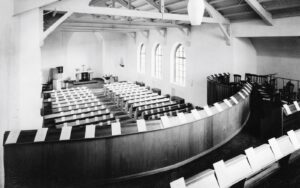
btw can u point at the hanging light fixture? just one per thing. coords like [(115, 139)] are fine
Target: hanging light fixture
[(196, 11)]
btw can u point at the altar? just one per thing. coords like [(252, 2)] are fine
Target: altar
[(84, 76)]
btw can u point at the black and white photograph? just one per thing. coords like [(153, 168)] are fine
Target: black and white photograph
[(149, 93)]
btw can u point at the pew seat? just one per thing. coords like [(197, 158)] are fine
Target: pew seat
[(204, 179)]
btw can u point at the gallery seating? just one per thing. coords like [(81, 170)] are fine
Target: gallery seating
[(253, 165)]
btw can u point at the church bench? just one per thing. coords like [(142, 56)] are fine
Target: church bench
[(124, 88), (80, 102), (127, 91), (123, 102), (66, 90), (132, 103), (146, 114), (88, 121), (75, 96), (82, 106), (89, 101), (64, 94), (70, 100), (169, 113), (72, 112), (146, 103), (141, 109), (121, 99), (81, 116), (134, 93), (142, 95), (120, 96), (117, 94)]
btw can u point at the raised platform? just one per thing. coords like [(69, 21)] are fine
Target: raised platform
[(86, 82)]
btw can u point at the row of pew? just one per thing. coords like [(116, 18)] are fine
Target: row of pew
[(141, 102), (77, 107), (113, 128), (241, 168)]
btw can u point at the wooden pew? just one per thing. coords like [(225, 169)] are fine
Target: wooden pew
[(169, 113), (87, 121), (81, 116), (146, 114), (141, 109)]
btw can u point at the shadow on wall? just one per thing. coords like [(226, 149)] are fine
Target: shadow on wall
[(279, 47)]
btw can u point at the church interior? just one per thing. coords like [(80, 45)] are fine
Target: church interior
[(149, 93)]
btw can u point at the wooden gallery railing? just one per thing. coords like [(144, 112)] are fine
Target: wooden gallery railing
[(91, 156), (219, 87)]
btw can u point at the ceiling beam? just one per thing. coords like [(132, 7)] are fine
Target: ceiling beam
[(101, 28), (277, 5), (162, 6), (46, 33), (221, 19), (216, 1), (126, 23), (264, 14), (98, 3), (215, 14), (71, 6), (239, 14), (96, 30), (125, 4), (112, 26), (155, 5), (233, 6)]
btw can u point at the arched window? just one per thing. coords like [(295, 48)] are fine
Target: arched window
[(142, 58), (157, 61), (179, 65)]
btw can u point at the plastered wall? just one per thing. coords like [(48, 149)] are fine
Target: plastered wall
[(72, 50), (206, 51)]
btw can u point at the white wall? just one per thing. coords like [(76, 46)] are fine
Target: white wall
[(278, 55), (245, 56), (20, 72), (72, 50), (207, 53), (7, 51)]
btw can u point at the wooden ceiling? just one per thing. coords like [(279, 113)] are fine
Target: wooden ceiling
[(142, 15), (232, 9)]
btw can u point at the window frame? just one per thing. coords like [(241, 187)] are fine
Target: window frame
[(157, 61), (179, 61), (141, 60)]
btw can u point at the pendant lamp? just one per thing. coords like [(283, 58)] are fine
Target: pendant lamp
[(196, 11)]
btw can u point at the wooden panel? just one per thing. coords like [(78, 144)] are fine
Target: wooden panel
[(91, 162)]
